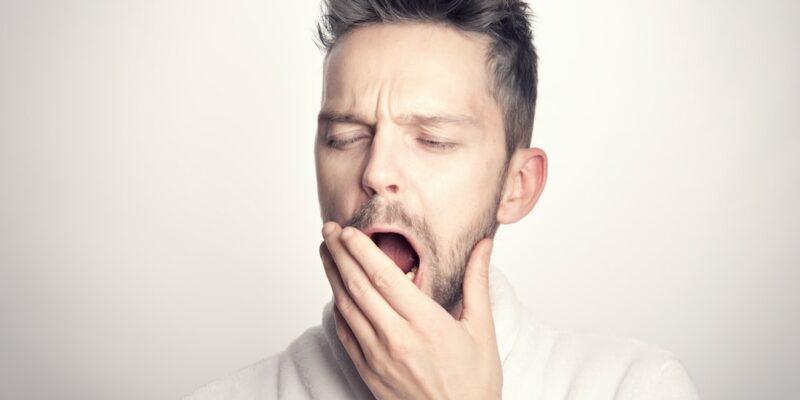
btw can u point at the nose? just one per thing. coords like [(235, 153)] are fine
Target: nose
[(383, 173)]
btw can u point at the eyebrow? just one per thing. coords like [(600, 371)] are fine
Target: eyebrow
[(411, 119), (332, 116), (436, 119)]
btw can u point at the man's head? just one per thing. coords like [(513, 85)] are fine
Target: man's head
[(424, 128), (504, 25)]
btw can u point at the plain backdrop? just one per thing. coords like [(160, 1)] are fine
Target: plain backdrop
[(159, 222)]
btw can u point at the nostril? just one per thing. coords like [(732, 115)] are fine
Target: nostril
[(393, 188)]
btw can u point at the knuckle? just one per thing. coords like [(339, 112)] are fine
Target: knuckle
[(356, 287), (377, 365), (397, 350), (346, 306), (383, 279)]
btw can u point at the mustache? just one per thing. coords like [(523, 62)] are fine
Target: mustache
[(379, 211)]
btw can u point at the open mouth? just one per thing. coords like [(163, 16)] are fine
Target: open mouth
[(400, 250)]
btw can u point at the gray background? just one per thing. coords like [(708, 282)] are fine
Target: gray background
[(159, 222)]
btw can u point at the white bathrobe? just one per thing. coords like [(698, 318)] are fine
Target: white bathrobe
[(538, 363)]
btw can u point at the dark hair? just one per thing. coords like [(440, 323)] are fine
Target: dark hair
[(512, 57)]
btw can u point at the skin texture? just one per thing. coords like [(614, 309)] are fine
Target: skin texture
[(407, 119)]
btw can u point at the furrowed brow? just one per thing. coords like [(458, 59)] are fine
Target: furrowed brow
[(436, 119), (410, 119)]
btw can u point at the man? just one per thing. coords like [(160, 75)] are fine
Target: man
[(422, 150)]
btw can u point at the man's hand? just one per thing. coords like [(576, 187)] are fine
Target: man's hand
[(404, 344)]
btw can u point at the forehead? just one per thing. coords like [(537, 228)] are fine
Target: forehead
[(408, 68)]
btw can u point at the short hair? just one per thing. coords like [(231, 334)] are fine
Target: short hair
[(511, 57)]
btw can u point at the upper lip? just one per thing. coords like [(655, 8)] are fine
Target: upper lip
[(369, 231)]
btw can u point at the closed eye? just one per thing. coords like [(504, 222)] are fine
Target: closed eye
[(344, 143), (436, 144)]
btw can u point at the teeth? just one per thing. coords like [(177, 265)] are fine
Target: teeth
[(411, 274)]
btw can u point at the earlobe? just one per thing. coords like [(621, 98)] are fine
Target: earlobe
[(525, 179)]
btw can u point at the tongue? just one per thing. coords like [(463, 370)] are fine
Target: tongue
[(398, 249)]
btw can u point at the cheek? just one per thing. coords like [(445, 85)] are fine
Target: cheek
[(338, 186), (457, 200), (468, 186), (327, 177)]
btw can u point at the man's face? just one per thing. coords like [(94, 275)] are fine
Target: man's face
[(410, 141)]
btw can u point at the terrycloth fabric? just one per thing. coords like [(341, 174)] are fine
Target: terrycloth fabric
[(538, 363)]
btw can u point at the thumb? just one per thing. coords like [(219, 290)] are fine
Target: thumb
[(477, 308)]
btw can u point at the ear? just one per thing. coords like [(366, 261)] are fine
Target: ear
[(525, 179)]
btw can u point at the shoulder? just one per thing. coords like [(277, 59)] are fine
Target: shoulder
[(246, 383), (264, 379), (587, 364)]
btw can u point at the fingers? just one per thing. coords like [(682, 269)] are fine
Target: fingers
[(350, 310), (477, 303), (396, 289), (349, 341), (358, 354), (358, 286)]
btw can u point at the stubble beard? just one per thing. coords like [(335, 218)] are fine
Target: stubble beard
[(445, 271)]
